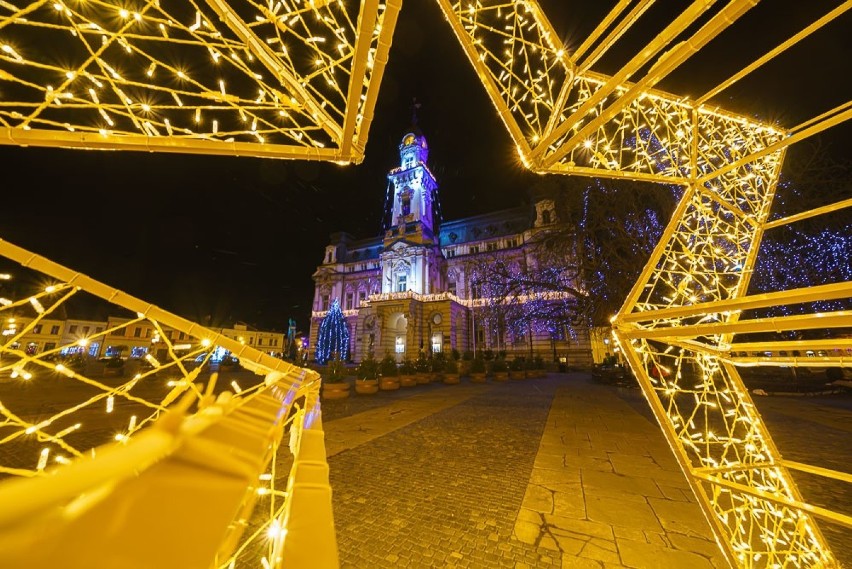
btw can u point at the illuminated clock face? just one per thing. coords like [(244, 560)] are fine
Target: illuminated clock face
[(436, 318), (409, 139)]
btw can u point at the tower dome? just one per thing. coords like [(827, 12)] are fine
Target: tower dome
[(413, 149)]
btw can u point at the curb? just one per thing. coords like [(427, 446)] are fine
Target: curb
[(763, 393)]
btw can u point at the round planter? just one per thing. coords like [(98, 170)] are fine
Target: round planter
[(423, 378), (477, 377), (388, 384), (501, 376), (338, 390), (407, 381), (366, 386), (451, 378)]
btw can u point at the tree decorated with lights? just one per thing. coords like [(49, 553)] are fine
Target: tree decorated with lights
[(333, 337), (584, 266)]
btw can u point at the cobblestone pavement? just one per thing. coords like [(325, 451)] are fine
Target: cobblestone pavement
[(538, 473), (445, 490), (812, 430)]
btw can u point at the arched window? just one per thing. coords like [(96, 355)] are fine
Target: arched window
[(545, 217)]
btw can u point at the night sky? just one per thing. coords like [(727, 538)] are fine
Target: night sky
[(221, 239)]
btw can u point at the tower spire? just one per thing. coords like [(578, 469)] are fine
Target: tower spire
[(414, 106)]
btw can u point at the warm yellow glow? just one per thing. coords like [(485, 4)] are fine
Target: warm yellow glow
[(130, 402), (262, 93)]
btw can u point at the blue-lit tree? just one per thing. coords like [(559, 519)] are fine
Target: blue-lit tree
[(605, 233), (333, 336), (813, 251)]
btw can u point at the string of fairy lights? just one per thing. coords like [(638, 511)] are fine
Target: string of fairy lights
[(83, 403), (270, 73), (570, 121), (293, 75)]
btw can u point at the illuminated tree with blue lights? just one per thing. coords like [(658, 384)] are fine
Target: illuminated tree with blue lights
[(333, 337)]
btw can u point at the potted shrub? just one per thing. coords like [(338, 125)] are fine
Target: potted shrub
[(518, 369), (388, 381), (367, 376), (499, 370), (538, 362), (437, 365), (334, 385), (466, 361), (477, 370), (406, 374), (424, 370), (451, 372)]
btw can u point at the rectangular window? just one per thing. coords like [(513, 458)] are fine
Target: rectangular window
[(72, 329), (402, 283), (99, 329), (324, 302), (137, 333), (451, 288), (362, 296), (37, 329), (350, 299), (492, 246), (49, 346), (54, 330), (251, 340), (86, 330), (474, 291), (451, 253), (400, 344), (474, 249), (259, 341), (437, 343)]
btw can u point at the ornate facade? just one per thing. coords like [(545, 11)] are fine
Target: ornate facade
[(413, 290)]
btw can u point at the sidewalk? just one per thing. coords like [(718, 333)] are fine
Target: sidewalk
[(554, 472)]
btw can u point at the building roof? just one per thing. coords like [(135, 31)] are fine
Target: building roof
[(486, 226)]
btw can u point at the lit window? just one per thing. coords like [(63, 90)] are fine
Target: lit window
[(437, 342), (37, 329), (402, 283), (400, 344), (350, 299), (55, 330)]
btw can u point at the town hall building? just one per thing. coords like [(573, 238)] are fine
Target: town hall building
[(413, 291)]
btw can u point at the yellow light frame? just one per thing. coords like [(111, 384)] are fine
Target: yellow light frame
[(677, 327)]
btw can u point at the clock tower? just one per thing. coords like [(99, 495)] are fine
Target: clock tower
[(412, 258), (414, 187)]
